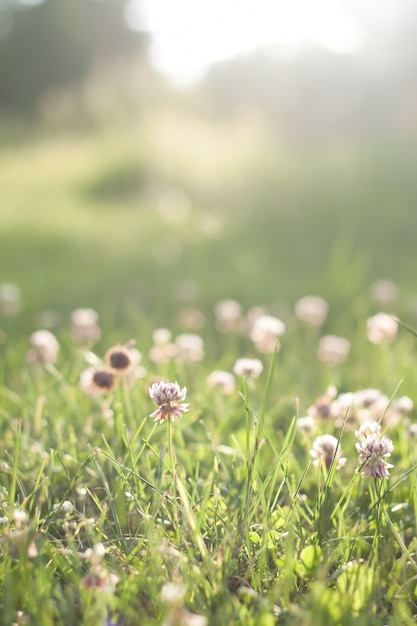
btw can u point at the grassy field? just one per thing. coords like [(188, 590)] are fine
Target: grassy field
[(223, 516)]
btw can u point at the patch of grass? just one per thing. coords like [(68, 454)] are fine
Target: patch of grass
[(102, 508)]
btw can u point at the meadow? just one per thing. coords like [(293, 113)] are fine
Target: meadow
[(236, 512)]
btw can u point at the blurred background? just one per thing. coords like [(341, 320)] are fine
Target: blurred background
[(159, 154)]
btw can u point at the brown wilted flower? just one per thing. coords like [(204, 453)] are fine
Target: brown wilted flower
[(168, 397), (122, 358), (97, 381)]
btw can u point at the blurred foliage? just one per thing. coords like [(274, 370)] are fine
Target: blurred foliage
[(273, 178), (317, 93), (57, 43)]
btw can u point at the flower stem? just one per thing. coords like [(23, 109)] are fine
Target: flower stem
[(171, 450), (174, 476)]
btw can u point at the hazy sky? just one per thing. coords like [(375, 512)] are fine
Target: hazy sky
[(188, 35)]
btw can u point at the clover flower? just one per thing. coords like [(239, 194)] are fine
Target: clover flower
[(191, 318), (10, 299), (221, 380), (189, 348), (122, 359), (168, 397), (312, 310), (372, 451), (325, 449), (381, 328), (85, 326), (322, 407), (333, 350), (367, 429), (228, 315), (96, 381), (266, 331), (384, 292), (45, 347), (306, 424), (163, 349), (248, 367)]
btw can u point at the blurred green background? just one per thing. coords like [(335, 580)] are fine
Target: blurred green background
[(273, 177)]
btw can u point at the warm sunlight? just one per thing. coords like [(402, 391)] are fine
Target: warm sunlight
[(188, 36)]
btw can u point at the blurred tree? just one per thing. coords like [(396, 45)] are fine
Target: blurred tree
[(53, 43)]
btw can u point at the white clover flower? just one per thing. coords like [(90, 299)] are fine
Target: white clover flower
[(228, 314), (322, 407), (367, 397), (366, 429), (372, 451), (191, 318), (10, 299), (161, 336), (190, 348), (45, 348), (84, 317), (333, 350), (66, 508), (266, 331), (412, 429), (20, 518), (224, 381), (403, 405), (84, 325), (384, 292), (163, 349), (248, 367), (381, 328), (312, 310), (306, 424), (172, 594), (325, 449), (168, 397), (162, 353), (253, 314)]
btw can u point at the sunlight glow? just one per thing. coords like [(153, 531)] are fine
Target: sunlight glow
[(189, 35)]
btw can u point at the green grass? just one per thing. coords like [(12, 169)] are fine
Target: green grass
[(234, 511)]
